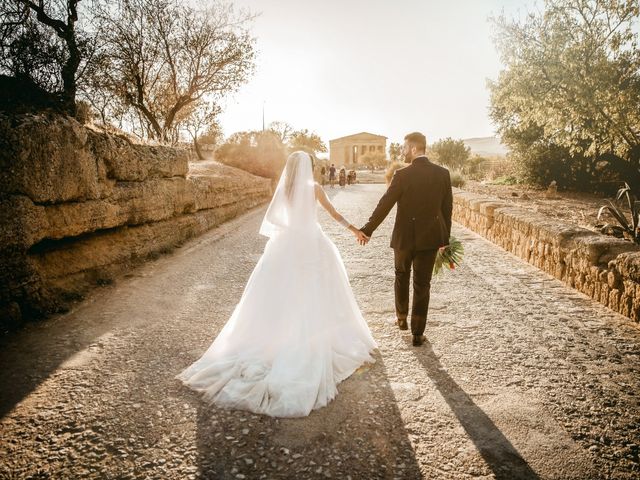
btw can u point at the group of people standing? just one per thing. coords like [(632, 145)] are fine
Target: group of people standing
[(344, 177)]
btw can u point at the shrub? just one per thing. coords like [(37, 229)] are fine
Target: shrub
[(84, 112), (541, 163), (505, 180), (374, 160), (457, 179), (477, 167), (501, 167), (391, 170)]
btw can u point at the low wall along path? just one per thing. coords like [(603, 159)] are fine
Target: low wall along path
[(603, 267)]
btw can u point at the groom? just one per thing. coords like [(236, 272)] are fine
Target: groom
[(423, 193)]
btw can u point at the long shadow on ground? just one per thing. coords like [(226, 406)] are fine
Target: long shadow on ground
[(497, 451), (30, 356)]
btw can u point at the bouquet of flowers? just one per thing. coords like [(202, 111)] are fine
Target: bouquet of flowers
[(449, 256)]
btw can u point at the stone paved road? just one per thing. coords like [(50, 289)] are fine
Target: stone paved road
[(521, 376)]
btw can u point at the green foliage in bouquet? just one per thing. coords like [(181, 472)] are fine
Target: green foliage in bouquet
[(449, 257)]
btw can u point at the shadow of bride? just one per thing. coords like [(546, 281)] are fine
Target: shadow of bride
[(360, 434), (32, 355), (497, 451)]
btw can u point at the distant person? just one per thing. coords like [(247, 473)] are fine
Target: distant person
[(332, 175), (323, 173), (343, 177)]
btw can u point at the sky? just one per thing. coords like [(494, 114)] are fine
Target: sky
[(387, 67)]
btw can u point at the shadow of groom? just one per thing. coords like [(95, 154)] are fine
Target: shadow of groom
[(497, 451)]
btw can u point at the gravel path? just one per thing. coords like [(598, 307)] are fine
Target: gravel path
[(521, 377)]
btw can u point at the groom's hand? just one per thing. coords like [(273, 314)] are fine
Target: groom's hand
[(362, 238)]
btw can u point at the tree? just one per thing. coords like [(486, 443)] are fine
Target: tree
[(161, 57), (212, 134), (571, 90), (450, 152), (257, 152), (42, 48), (374, 160), (282, 129), (306, 141), (203, 116), (395, 152)]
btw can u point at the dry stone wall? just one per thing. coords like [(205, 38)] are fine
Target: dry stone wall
[(605, 268), (78, 206)]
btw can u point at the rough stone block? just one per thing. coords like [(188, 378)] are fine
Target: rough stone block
[(614, 299), (130, 162), (45, 158)]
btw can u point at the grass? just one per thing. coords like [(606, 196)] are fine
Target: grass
[(505, 180)]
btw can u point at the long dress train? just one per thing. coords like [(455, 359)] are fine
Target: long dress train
[(296, 332)]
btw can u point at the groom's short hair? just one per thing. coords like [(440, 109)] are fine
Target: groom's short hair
[(418, 140)]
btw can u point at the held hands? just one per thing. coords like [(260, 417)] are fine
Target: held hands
[(361, 238)]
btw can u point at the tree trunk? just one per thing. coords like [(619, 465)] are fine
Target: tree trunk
[(196, 146), (182, 102), (66, 32), (69, 75), (154, 129)]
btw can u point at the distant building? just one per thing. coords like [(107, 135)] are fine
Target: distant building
[(348, 150)]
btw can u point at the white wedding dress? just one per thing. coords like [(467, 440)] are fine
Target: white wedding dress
[(297, 331)]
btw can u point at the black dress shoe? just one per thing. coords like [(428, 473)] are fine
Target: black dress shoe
[(418, 340), (402, 324)]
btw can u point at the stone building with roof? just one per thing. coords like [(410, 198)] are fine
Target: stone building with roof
[(348, 150)]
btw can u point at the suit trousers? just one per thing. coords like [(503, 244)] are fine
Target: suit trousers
[(422, 262)]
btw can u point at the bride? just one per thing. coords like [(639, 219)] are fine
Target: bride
[(297, 331)]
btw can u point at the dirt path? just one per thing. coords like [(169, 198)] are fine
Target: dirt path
[(521, 376)]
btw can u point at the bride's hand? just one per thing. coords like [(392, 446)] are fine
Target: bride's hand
[(360, 236)]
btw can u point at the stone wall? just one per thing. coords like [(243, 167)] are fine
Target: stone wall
[(78, 206), (603, 267)]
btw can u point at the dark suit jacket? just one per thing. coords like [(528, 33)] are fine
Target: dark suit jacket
[(425, 201)]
